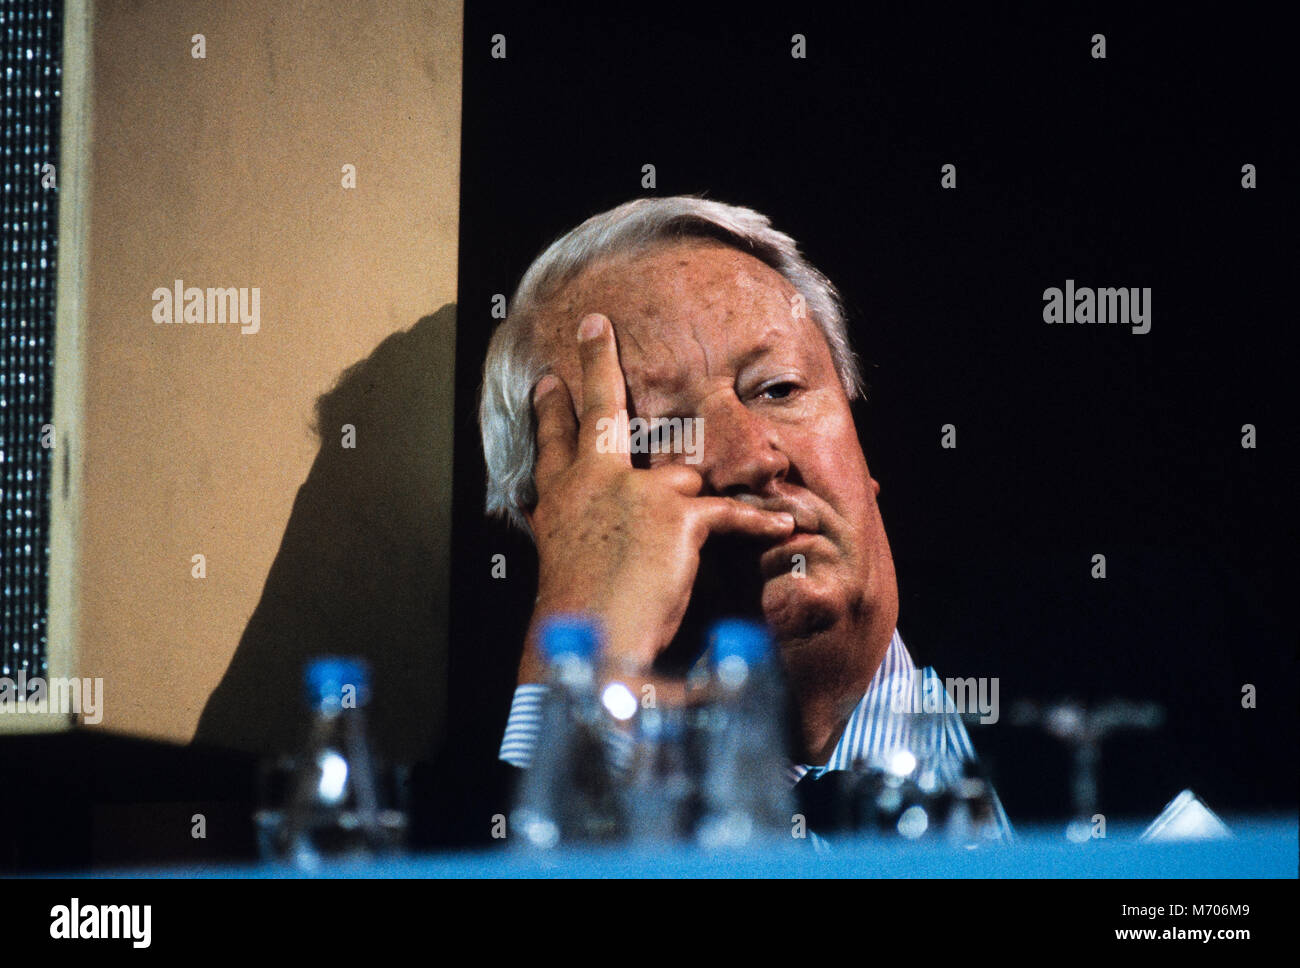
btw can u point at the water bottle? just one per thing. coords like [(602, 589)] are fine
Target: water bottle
[(334, 810), (661, 788), (571, 792), (746, 796)]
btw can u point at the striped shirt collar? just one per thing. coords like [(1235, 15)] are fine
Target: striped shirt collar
[(871, 730)]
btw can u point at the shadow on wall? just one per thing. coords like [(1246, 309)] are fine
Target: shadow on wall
[(362, 568)]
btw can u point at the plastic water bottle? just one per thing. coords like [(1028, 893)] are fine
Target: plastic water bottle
[(334, 810), (747, 798), (661, 788), (571, 793)]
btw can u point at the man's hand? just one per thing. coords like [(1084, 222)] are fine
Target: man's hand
[(619, 543)]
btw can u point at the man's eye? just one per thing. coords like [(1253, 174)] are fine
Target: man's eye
[(778, 391)]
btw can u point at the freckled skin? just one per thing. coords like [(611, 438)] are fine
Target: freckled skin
[(704, 330)]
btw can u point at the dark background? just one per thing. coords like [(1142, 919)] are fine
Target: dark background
[(1072, 440)]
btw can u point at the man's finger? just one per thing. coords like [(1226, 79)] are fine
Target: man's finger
[(557, 430), (721, 515), (604, 390)]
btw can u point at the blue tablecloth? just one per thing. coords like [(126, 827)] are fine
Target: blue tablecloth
[(1261, 847)]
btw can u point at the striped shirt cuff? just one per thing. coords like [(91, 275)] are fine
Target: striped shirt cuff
[(523, 725)]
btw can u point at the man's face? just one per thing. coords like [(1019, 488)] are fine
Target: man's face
[(707, 331)]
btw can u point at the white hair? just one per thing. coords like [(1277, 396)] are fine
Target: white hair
[(512, 368)]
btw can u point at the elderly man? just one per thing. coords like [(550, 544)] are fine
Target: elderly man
[(687, 308)]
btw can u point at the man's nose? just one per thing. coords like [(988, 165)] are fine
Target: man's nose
[(742, 451)]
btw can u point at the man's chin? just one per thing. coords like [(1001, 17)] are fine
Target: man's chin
[(797, 607)]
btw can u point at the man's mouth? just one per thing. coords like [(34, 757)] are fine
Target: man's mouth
[(792, 555), (806, 518)]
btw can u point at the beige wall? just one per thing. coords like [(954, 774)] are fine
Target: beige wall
[(226, 171)]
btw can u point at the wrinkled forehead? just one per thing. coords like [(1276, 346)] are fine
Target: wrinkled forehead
[(692, 304)]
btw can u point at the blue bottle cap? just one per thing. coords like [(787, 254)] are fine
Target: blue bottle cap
[(332, 679), (575, 635), (743, 639)]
